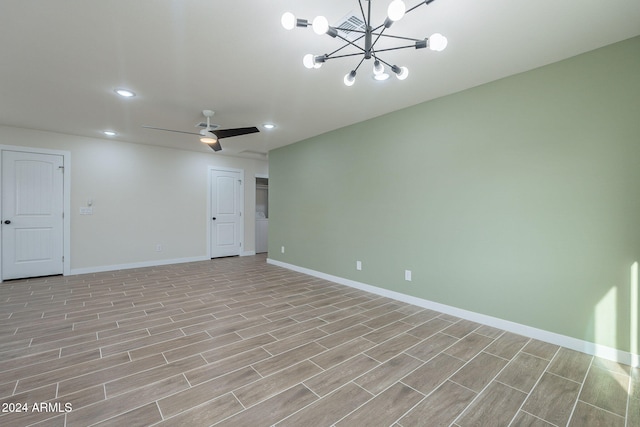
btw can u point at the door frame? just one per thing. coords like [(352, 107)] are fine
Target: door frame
[(210, 169), (259, 175), (66, 202)]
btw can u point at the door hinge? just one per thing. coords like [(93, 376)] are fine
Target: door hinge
[(240, 213), (62, 258), (61, 168)]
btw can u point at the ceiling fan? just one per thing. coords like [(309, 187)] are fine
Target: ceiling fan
[(211, 134)]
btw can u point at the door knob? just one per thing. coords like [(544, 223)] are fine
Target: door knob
[(7, 222), (214, 218)]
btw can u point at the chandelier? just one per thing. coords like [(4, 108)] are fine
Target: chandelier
[(360, 34)]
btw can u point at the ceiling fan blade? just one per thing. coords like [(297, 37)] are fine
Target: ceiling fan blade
[(215, 146), (227, 133), (170, 130)]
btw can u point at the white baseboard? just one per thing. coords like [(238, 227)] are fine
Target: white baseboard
[(517, 328), (103, 268)]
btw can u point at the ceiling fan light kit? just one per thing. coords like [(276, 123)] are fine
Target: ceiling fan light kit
[(367, 36), (208, 137)]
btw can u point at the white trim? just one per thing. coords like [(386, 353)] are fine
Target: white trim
[(255, 228), (517, 328), (155, 263), (243, 213), (66, 237)]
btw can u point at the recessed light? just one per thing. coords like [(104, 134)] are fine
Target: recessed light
[(125, 93), (109, 133), (269, 126)]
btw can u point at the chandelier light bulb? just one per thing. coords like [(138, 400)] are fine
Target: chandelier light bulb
[(437, 42), (396, 10), (320, 25), (381, 77), (403, 74), (378, 68), (350, 78), (308, 61), (288, 21)]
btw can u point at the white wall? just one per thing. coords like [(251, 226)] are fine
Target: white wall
[(142, 196)]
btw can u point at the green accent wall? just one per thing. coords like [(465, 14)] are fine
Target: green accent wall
[(518, 199)]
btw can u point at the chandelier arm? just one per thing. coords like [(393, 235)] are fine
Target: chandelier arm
[(349, 42), (422, 3), (359, 64), (346, 55), (358, 39), (380, 34), (397, 37), (396, 48), (364, 17), (331, 55), (364, 33), (351, 30), (384, 62)]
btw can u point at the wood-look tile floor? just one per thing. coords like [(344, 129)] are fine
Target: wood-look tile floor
[(238, 342)]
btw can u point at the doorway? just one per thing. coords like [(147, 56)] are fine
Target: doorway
[(226, 194), (262, 214), (34, 230)]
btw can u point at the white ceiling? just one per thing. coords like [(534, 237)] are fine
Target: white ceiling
[(60, 61)]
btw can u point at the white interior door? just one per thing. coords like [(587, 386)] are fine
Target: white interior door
[(226, 214), (32, 214)]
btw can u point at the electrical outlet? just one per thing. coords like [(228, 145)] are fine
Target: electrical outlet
[(281, 249), (358, 265), (407, 275), (158, 247)]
